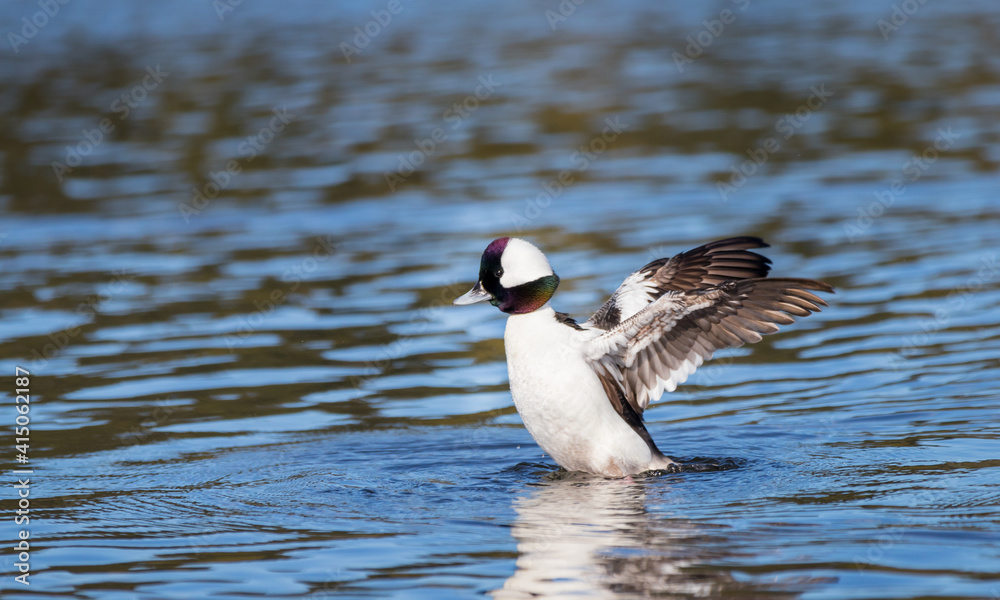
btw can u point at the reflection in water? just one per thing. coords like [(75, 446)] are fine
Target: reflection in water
[(582, 536)]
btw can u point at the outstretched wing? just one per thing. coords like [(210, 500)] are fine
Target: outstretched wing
[(661, 346), (705, 266)]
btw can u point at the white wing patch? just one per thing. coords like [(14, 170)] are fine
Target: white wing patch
[(634, 294), (621, 350)]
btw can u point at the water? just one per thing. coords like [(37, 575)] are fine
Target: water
[(249, 382)]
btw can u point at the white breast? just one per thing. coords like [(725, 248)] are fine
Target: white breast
[(561, 400)]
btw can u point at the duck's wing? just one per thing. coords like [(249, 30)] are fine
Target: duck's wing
[(705, 266), (662, 345)]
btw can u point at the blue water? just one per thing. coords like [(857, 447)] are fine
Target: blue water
[(247, 378)]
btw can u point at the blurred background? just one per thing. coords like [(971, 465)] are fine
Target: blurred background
[(230, 232)]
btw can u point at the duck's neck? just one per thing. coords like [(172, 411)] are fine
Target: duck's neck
[(527, 297)]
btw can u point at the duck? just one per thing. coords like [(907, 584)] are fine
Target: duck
[(581, 388)]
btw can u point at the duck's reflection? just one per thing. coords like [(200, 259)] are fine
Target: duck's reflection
[(590, 537)]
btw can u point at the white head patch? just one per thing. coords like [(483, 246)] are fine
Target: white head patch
[(522, 262)]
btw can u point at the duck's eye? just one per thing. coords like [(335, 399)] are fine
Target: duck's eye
[(498, 273)]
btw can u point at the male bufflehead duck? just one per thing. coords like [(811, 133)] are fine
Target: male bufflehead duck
[(581, 388)]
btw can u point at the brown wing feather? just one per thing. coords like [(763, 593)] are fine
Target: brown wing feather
[(709, 265), (702, 267), (661, 346)]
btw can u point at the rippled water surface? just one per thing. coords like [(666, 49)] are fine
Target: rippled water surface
[(227, 256)]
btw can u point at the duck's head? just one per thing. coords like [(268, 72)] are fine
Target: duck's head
[(514, 276)]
